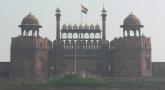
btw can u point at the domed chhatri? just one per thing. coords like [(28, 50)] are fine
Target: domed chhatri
[(131, 20), (30, 20), (64, 26), (97, 27), (29, 23), (131, 23), (58, 10), (81, 26)]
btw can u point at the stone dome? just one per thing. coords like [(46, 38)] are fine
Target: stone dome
[(97, 27), (131, 20), (70, 26), (58, 10), (80, 26), (30, 20), (86, 26), (92, 27), (75, 26), (64, 26)]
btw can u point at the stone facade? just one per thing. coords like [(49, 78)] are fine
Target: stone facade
[(90, 59), (29, 57), (132, 57), (158, 69), (132, 52), (29, 53), (5, 69), (79, 49)]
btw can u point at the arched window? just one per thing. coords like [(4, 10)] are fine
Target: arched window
[(64, 35), (86, 35)]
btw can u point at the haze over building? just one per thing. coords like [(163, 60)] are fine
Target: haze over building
[(149, 11), (80, 49)]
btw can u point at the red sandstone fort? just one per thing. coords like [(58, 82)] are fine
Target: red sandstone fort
[(80, 49)]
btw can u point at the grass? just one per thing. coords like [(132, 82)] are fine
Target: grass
[(74, 81)]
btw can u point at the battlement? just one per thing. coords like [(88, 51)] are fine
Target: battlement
[(131, 42), (29, 42)]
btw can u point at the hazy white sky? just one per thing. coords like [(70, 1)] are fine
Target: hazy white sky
[(150, 12)]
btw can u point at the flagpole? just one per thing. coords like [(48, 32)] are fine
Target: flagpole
[(81, 17), (81, 12)]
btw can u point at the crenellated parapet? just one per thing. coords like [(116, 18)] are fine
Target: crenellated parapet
[(131, 42), (28, 42)]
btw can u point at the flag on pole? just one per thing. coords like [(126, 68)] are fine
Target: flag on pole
[(84, 9)]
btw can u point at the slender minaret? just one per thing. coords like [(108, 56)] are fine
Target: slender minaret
[(58, 23), (104, 24)]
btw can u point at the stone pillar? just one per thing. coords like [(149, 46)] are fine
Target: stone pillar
[(139, 32), (134, 33), (104, 24), (58, 23), (37, 32), (22, 31), (123, 33), (128, 33)]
